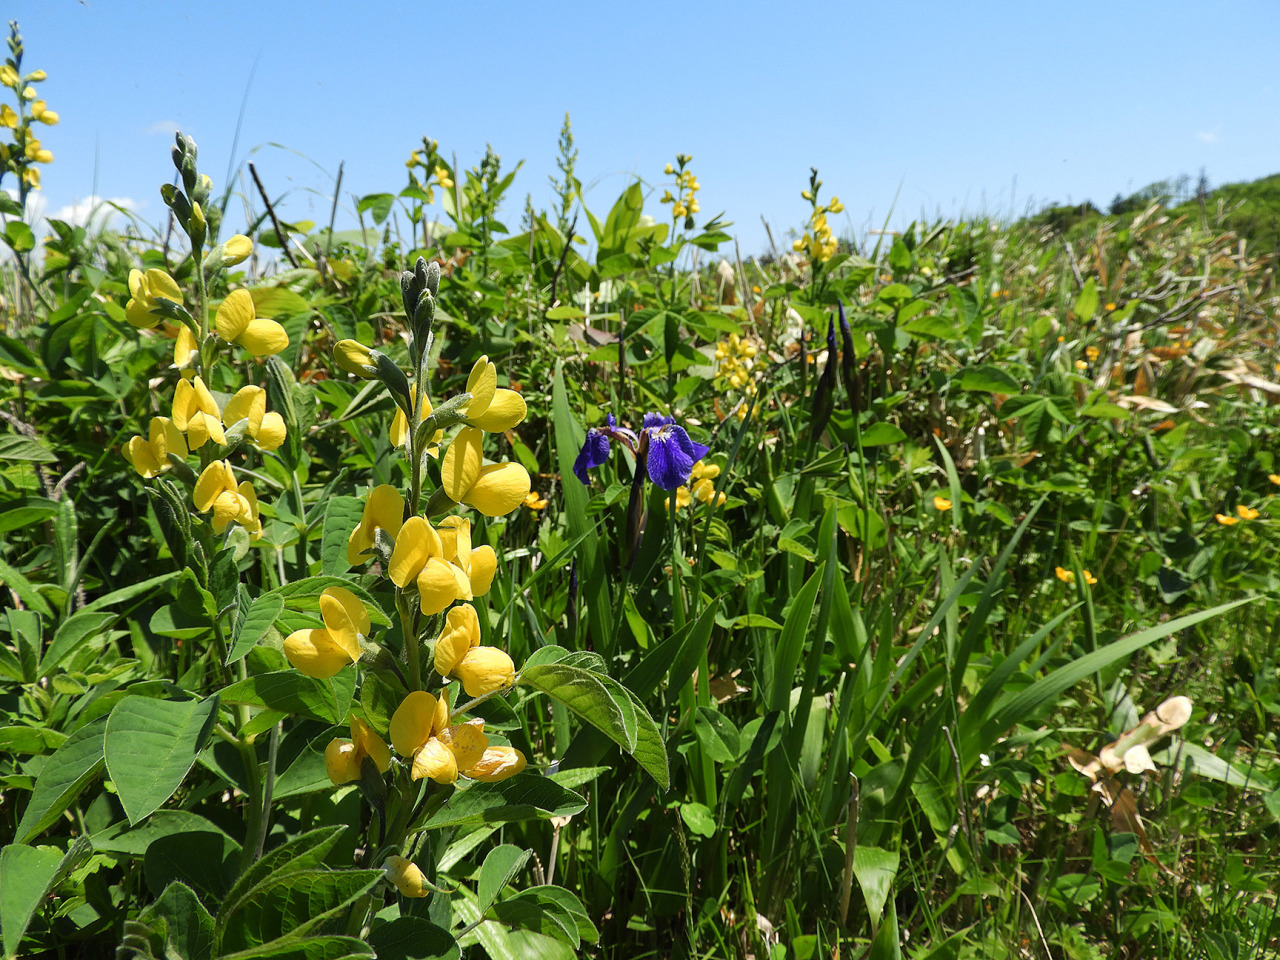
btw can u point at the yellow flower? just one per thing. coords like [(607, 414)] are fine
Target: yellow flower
[(941, 503), (266, 430), (8, 117), (184, 347), (534, 501), (484, 670), (42, 114), (321, 652), (497, 763), (1246, 513), (505, 410), (1109, 307), (1225, 520), (31, 177), (9, 76), (407, 877), (354, 357), (1089, 578), (1092, 352), (383, 510), (460, 634), (1274, 478), (146, 290), (35, 76), (236, 320), (236, 249), (443, 178), (419, 717), (478, 563), (419, 557), (216, 490), (493, 489), (343, 758), (679, 210), (149, 457), (196, 413), (435, 762), (1065, 575)]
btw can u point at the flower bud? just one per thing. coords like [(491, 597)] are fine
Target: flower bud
[(407, 877), (354, 357), (236, 249), (498, 763)]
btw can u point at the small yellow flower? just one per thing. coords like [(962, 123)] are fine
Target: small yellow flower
[(494, 489), (354, 357), (534, 502), (419, 717), (1063, 574), (196, 413), (1089, 578), (149, 457), (265, 429), (383, 510), (320, 652), (146, 290), (478, 563), (35, 76), (418, 558), (184, 347), (460, 634), (236, 249), (31, 177), (407, 877), (497, 763), (1246, 513), (679, 210), (9, 76), (1109, 307), (343, 758), (942, 504), (8, 118), (443, 178), (1225, 520), (484, 670), (237, 321), (1274, 478), (42, 114), (216, 490), (1092, 352)]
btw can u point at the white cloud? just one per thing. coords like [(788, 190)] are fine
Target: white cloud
[(1207, 136), (101, 210), (167, 127)]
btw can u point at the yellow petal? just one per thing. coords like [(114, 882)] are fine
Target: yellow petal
[(384, 509), (505, 411), (461, 632), (497, 763), (234, 314), (204, 426), (499, 489), (236, 249), (370, 744), (203, 399), (229, 506), (437, 587), (314, 653), (481, 384), (484, 564), (143, 459), (263, 337), (271, 432), (357, 545), (249, 403), (399, 429), (461, 464), (461, 582), (339, 622), (352, 605), (416, 543), (467, 742), (161, 286), (435, 761), (411, 723), (407, 877), (138, 313), (455, 535), (183, 404), (341, 762), (354, 357), (211, 483), (441, 720), (483, 670), (184, 349)]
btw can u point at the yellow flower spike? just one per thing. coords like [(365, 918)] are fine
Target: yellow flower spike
[(460, 634), (484, 670), (466, 741), (236, 250), (460, 466), (145, 291), (341, 762), (500, 488), (941, 504), (416, 543), (383, 509), (482, 383), (407, 877), (435, 761), (497, 764), (1225, 520), (412, 723), (237, 321), (506, 410), (1246, 513)]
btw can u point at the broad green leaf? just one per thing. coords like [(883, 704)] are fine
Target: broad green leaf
[(205, 860), (26, 874), (14, 446), (62, 778), (532, 912), (290, 692), (526, 796), (586, 694), (987, 378), (880, 434), (698, 818), (502, 863), (294, 903), (305, 948), (188, 925), (1086, 304), (253, 627), (341, 516), (301, 853), (70, 634), (875, 868), (717, 735), (26, 591), (151, 744), (413, 938), (125, 839)]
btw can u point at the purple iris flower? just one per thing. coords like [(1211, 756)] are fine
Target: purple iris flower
[(668, 453)]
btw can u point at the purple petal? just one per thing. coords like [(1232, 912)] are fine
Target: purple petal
[(672, 456), (593, 453), (655, 420)]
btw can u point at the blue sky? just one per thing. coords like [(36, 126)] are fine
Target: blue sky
[(954, 108)]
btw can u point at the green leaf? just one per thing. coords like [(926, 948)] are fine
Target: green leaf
[(26, 874), (294, 904), (413, 938), (305, 595), (305, 948), (566, 312), (1086, 304), (987, 378), (151, 744), (698, 818), (530, 911), (875, 869), (778, 676), (62, 778), (188, 925), (341, 516), (71, 634), (899, 256), (14, 446), (301, 853), (378, 204), (133, 841), (25, 590), (588, 695), (261, 616), (502, 863), (291, 692), (526, 796), (881, 434), (19, 236), (717, 735)]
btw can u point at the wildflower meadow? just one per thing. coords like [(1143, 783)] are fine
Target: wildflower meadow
[(488, 581)]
